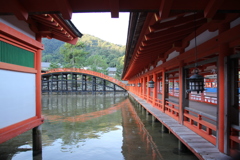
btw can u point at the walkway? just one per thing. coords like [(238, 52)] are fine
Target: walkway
[(198, 145)]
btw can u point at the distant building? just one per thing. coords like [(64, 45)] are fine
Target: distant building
[(112, 71), (45, 66)]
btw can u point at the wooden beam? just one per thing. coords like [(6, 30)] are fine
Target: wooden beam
[(212, 7), (73, 41), (19, 11), (175, 22), (174, 36), (43, 29), (64, 8), (191, 25), (165, 8), (114, 8)]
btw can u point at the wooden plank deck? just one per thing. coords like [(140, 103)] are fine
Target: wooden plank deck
[(202, 148)]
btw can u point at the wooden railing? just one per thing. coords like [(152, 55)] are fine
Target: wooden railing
[(201, 123), (158, 104), (172, 110), (234, 140), (145, 97), (89, 72), (206, 99), (150, 99)]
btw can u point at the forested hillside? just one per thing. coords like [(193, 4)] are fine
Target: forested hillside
[(90, 51)]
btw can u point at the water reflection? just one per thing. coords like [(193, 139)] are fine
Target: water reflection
[(94, 127)]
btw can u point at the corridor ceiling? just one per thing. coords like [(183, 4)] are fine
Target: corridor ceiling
[(156, 27), (22, 8)]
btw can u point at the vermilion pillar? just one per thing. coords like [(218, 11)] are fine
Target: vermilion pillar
[(155, 87), (148, 89), (144, 87), (38, 61), (223, 52), (181, 92), (163, 89)]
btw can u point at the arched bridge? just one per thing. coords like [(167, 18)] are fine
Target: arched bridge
[(79, 80)]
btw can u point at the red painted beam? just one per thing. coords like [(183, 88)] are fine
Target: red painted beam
[(161, 44), (212, 7), (173, 37), (64, 8), (176, 22), (114, 8), (165, 8), (191, 25), (73, 41), (19, 11), (19, 128)]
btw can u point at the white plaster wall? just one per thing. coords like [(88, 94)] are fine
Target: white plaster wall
[(151, 68), (235, 23), (17, 97), (205, 36), (20, 26), (172, 55), (159, 63)]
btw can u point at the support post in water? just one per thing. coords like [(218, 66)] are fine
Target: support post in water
[(182, 147), (164, 129), (37, 140)]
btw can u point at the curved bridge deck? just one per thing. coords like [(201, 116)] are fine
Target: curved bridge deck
[(75, 80)]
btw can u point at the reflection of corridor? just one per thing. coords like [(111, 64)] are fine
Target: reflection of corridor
[(133, 148)]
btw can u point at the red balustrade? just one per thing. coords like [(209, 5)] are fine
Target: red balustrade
[(158, 104), (150, 99), (201, 124), (234, 140), (206, 99), (172, 110)]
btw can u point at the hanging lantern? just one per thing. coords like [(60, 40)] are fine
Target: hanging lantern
[(139, 84), (196, 82), (151, 84)]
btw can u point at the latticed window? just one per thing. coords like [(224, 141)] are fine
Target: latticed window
[(15, 55)]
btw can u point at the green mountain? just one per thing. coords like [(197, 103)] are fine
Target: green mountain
[(93, 45), (96, 53)]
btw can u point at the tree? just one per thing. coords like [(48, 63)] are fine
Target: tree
[(120, 64), (98, 64), (47, 58), (74, 55), (54, 65)]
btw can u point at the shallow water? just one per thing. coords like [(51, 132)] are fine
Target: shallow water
[(99, 127)]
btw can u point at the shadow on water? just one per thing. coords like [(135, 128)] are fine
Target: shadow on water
[(94, 127)]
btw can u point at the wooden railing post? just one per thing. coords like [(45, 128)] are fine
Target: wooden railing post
[(163, 89), (148, 89), (154, 89)]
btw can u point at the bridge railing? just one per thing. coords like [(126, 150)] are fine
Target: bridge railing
[(97, 74)]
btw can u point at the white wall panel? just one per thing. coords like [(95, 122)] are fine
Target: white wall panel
[(18, 25), (203, 37), (17, 97)]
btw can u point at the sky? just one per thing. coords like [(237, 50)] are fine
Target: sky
[(101, 25)]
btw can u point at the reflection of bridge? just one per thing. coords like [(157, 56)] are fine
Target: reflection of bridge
[(79, 80)]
